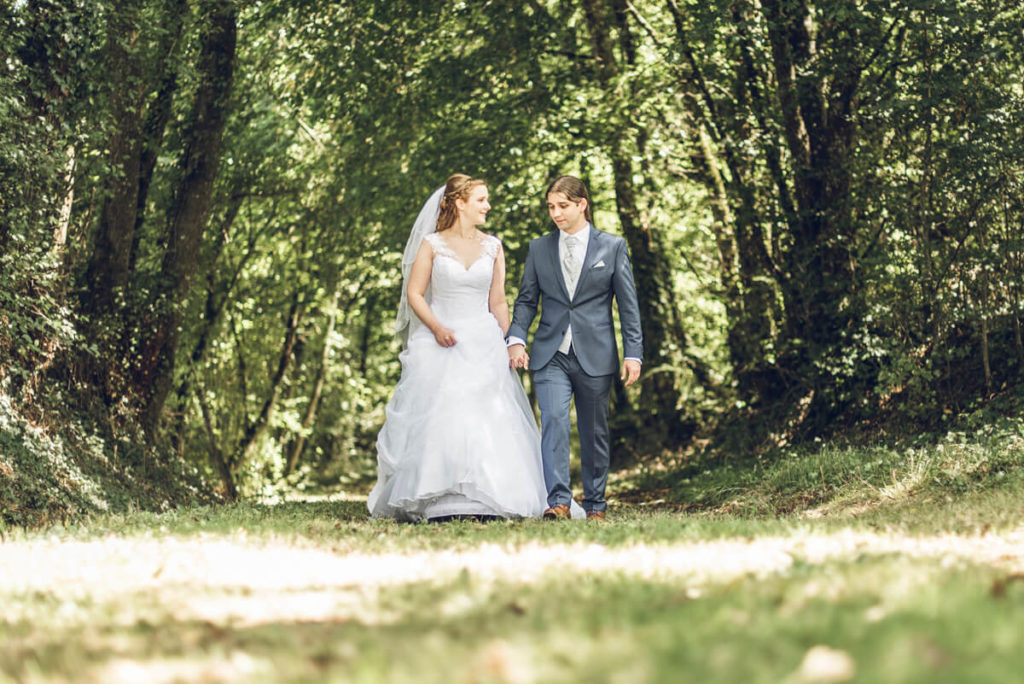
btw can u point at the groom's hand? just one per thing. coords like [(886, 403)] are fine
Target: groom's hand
[(630, 371), (517, 356)]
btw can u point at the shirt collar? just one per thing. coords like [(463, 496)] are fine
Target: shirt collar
[(583, 236)]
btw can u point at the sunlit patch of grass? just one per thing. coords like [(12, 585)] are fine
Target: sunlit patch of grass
[(898, 619), (872, 564)]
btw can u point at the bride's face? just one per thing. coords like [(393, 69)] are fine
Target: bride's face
[(474, 209)]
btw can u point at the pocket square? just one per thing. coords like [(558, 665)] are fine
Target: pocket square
[(599, 264)]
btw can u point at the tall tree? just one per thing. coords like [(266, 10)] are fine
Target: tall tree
[(108, 270), (622, 137), (191, 206)]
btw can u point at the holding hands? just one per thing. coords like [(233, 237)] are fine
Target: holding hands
[(517, 357)]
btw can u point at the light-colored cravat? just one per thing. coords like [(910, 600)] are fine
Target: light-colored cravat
[(571, 263)]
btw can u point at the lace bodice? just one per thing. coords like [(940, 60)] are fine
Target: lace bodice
[(459, 290)]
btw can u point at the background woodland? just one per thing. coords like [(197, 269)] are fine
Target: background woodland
[(203, 205)]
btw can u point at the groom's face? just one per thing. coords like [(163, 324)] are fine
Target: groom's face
[(567, 214)]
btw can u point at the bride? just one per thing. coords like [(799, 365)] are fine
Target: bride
[(459, 438)]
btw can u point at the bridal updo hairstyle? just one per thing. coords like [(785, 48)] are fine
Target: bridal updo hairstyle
[(574, 189), (459, 186)]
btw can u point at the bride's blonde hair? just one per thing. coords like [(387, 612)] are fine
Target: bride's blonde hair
[(459, 186)]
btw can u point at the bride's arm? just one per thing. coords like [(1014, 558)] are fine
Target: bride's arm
[(419, 279), (497, 302)]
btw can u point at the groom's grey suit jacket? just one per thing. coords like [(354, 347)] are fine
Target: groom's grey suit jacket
[(606, 273)]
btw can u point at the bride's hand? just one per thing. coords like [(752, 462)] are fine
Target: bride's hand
[(445, 337), (517, 357)]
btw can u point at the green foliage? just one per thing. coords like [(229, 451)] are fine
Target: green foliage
[(58, 465), (828, 270)]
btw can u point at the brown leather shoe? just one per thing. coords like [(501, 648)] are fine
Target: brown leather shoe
[(559, 512), (595, 515)]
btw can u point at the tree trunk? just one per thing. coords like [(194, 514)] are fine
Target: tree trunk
[(1018, 341), (108, 269), (819, 290), (662, 330), (217, 299), (189, 211), (158, 114), (986, 362), (748, 295), (255, 430), (369, 319), (60, 233), (217, 459), (722, 128), (295, 453), (983, 306)]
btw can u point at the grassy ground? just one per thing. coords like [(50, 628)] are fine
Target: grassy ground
[(887, 564)]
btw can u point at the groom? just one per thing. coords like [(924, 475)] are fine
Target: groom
[(572, 274)]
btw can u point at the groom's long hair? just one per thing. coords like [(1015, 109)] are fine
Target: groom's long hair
[(575, 190)]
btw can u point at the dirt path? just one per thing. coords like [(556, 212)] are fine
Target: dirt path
[(238, 579)]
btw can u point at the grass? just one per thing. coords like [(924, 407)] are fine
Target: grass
[(844, 480), (882, 564)]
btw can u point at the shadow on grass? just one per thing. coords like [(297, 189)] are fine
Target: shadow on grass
[(832, 479)]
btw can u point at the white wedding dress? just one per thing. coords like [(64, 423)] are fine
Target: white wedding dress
[(459, 436)]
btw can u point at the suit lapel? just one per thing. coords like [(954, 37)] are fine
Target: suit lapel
[(556, 264), (593, 251)]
